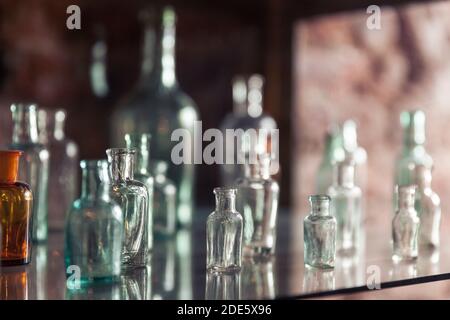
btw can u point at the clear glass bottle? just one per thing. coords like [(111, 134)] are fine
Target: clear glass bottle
[(94, 229), (333, 152), (224, 233), (164, 201), (63, 167), (132, 197), (247, 114), (141, 143), (158, 106), (221, 286), (258, 202), (405, 225), (16, 201), (428, 207), (34, 164), (346, 207), (354, 153), (319, 232), (413, 151)]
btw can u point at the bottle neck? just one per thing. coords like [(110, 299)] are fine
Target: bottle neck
[(141, 143), (121, 167), (344, 175), (25, 128), (239, 96), (225, 202), (158, 62), (320, 208), (406, 197), (92, 186)]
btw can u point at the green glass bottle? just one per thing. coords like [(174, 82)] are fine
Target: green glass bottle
[(141, 143), (94, 229), (158, 106)]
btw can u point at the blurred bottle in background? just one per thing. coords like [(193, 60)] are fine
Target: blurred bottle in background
[(34, 164), (63, 184), (158, 106), (247, 114)]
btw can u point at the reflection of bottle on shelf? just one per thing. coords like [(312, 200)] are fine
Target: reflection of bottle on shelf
[(164, 269), (158, 106), (315, 280), (137, 284), (14, 284), (222, 286), (109, 291), (258, 281), (63, 165), (184, 265)]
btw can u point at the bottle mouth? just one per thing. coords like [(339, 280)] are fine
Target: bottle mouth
[(9, 165), (225, 190), (10, 152)]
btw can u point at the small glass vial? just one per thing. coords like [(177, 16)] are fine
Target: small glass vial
[(132, 197), (141, 143), (428, 207), (63, 166), (346, 207), (34, 164), (319, 232), (258, 202), (94, 228), (405, 225), (164, 201), (16, 201), (224, 233)]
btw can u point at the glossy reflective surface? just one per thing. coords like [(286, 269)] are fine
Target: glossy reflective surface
[(178, 269)]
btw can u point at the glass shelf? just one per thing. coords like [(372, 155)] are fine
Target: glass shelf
[(177, 269)]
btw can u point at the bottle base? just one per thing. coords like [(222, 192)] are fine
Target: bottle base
[(15, 262)]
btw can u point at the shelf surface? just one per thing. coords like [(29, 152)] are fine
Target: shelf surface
[(177, 270)]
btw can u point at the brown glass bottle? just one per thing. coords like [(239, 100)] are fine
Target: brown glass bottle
[(16, 202)]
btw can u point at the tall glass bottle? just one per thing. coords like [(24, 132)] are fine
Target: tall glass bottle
[(164, 201), (34, 164), (333, 152), (405, 225), (247, 114), (158, 106), (132, 197), (258, 202), (224, 234), (413, 151), (355, 153), (346, 207), (94, 230), (16, 201), (63, 167), (428, 206), (319, 232), (141, 143)]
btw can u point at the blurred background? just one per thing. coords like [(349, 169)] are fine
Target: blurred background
[(320, 61)]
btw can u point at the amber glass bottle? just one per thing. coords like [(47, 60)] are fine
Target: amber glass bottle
[(15, 212)]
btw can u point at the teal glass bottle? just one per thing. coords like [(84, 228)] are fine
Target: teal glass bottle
[(141, 143), (319, 232), (158, 106), (94, 229), (34, 164), (132, 197), (413, 150), (164, 201)]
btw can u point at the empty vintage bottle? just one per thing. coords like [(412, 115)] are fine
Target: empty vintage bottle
[(413, 150), (94, 229), (132, 197), (158, 106), (34, 164), (164, 201), (141, 143), (257, 201), (346, 207), (63, 185), (247, 114), (428, 207), (405, 225), (224, 234), (319, 234), (16, 201), (333, 152)]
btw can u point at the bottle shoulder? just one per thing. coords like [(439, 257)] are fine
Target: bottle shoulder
[(319, 219), (225, 215), (16, 189), (95, 209)]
